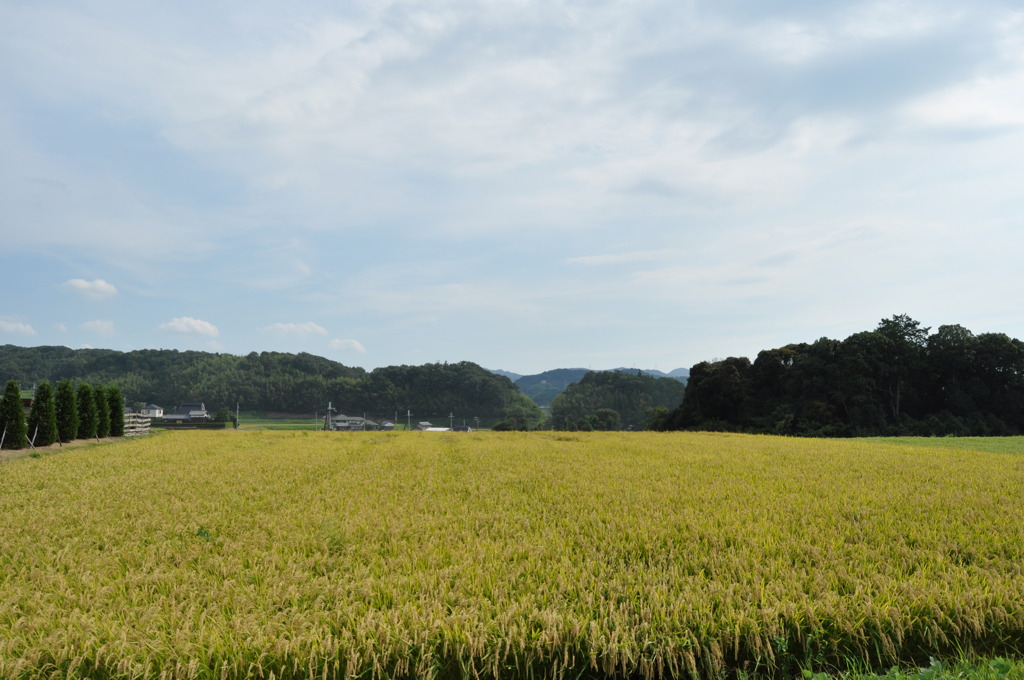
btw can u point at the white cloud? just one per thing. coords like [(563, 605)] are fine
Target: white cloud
[(983, 103), (60, 328), (97, 289), (559, 166), (345, 345), (619, 258), (9, 325), (301, 330), (186, 325), (100, 327)]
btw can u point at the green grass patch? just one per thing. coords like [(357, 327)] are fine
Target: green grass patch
[(260, 420), (1013, 445)]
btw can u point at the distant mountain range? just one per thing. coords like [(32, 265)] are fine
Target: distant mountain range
[(544, 387)]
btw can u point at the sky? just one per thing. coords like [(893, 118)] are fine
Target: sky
[(525, 185)]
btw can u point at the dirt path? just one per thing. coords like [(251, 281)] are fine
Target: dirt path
[(6, 454)]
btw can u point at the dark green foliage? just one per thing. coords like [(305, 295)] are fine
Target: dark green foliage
[(462, 388), (87, 417), (99, 395), (658, 419), (522, 414), (66, 402), (607, 420), (629, 395), (115, 407), (42, 419), (894, 380), (12, 418), (223, 415), (269, 381)]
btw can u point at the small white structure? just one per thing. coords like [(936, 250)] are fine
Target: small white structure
[(429, 427), (152, 411)]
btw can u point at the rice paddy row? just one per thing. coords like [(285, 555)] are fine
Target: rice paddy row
[(311, 555)]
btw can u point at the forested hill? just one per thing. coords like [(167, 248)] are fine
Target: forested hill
[(896, 379), (544, 387), (269, 381), (613, 400)]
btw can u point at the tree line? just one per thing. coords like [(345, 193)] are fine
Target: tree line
[(63, 414), (272, 381), (898, 379)]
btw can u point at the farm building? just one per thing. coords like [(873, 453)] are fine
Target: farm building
[(189, 412), (152, 410), (344, 423), (426, 426)]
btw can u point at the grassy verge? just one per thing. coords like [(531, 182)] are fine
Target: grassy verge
[(993, 668), (259, 420), (1012, 445)]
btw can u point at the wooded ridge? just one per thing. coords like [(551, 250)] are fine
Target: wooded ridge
[(270, 381), (897, 379)]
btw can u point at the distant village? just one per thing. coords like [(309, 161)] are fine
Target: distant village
[(195, 413)]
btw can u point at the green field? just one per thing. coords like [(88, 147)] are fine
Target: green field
[(310, 555), (1013, 445), (289, 421)]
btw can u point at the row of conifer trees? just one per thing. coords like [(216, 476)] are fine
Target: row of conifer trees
[(63, 414)]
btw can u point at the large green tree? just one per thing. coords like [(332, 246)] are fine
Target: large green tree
[(99, 395), (66, 402), (115, 406), (522, 413), (717, 395), (12, 418), (87, 416), (42, 419), (905, 342)]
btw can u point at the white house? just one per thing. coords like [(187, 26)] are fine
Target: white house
[(152, 410)]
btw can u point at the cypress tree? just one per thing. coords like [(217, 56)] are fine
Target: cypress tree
[(86, 412), (115, 402), (12, 418), (102, 411), (42, 420), (66, 403)]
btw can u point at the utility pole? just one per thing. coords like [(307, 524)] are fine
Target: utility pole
[(408, 419), (451, 420), (327, 416)]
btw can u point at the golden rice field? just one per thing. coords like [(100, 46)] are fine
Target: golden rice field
[(264, 554)]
